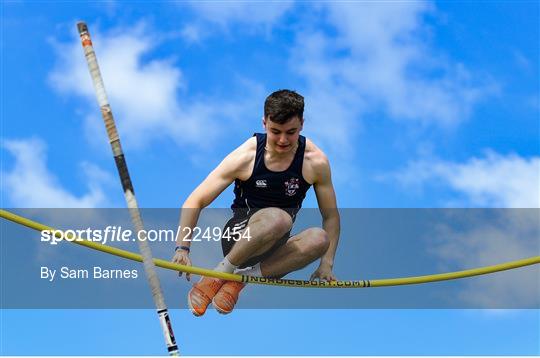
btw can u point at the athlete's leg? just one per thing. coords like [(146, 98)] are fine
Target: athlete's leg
[(265, 227), (299, 251)]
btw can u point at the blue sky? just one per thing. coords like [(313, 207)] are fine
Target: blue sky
[(417, 104)]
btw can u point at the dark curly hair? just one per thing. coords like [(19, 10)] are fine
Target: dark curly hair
[(283, 105)]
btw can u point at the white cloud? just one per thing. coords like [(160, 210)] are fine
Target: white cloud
[(30, 184), (211, 18), (243, 12), (375, 57), (522, 61), (482, 238), (192, 33), (391, 62), (495, 180), (143, 93), (486, 237)]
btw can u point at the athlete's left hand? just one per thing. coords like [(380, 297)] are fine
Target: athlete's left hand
[(323, 273)]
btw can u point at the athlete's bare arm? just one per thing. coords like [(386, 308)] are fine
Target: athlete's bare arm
[(317, 171), (238, 164)]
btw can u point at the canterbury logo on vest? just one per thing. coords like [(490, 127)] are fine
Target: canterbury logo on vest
[(291, 186), (261, 183)]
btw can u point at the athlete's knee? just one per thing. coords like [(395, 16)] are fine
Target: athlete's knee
[(275, 220), (314, 243), (318, 240)]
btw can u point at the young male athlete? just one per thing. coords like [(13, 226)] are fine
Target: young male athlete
[(272, 173)]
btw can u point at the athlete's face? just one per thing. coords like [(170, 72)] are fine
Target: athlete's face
[(282, 138)]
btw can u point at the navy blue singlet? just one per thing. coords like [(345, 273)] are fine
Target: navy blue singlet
[(286, 189)]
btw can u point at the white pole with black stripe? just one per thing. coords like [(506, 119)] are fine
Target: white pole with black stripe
[(127, 186)]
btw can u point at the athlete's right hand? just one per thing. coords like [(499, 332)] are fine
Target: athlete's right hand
[(181, 257)]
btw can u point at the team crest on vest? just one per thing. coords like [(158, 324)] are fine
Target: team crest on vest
[(291, 186)]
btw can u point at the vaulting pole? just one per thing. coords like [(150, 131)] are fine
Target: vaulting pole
[(127, 186)]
